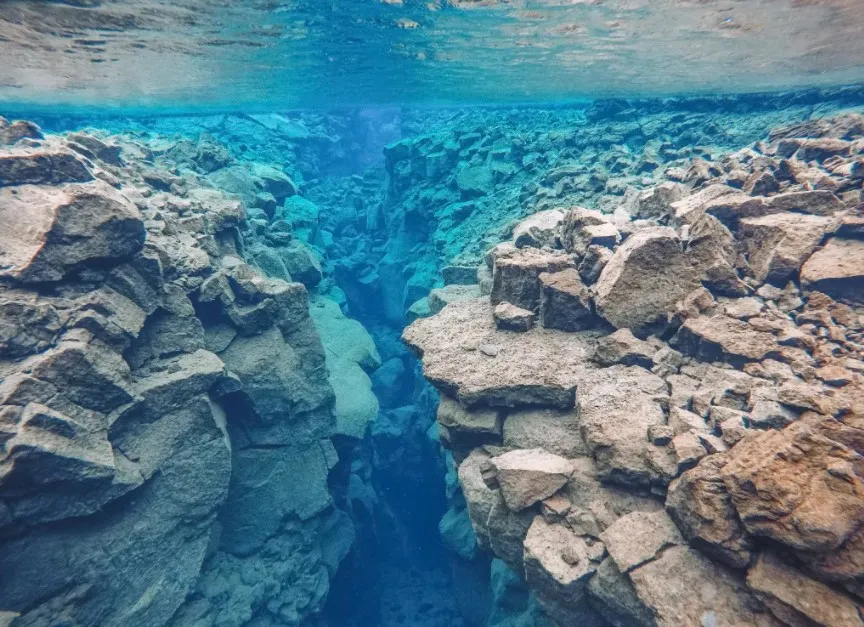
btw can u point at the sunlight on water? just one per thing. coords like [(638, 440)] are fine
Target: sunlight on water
[(277, 54)]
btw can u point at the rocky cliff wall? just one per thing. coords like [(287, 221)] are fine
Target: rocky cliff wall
[(655, 411), (167, 407)]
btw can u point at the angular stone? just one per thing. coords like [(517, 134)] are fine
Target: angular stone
[(711, 250), (483, 424), (47, 232), (592, 264), (656, 202), (720, 337), (539, 229), (796, 599), (682, 587), (777, 245), (622, 347), (565, 303), (41, 166), (20, 129), (690, 208), (558, 568), (527, 476), (512, 318), (574, 236), (817, 202), (617, 405), (702, 509), (539, 367), (688, 450), (640, 537), (616, 598), (302, 264), (836, 269), (646, 276), (798, 486), (516, 276)]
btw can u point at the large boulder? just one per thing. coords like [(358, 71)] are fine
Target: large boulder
[(683, 587), (700, 505), (482, 365), (646, 276), (539, 230), (48, 165), (558, 568), (617, 406), (46, 232), (799, 486), (719, 337), (777, 245)]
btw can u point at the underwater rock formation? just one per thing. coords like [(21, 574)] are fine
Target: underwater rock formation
[(193, 432), (695, 453), (166, 406)]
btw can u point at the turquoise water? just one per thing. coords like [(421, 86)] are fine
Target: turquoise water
[(413, 135), (267, 55)]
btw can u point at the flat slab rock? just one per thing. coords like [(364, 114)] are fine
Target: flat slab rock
[(467, 357), (527, 476)]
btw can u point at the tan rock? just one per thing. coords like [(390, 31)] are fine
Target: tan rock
[(515, 276), (527, 476), (565, 303), (837, 269), (683, 587), (796, 599), (777, 245), (719, 337), (640, 537), (539, 367), (644, 279)]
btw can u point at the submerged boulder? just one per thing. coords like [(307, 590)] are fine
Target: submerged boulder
[(643, 280), (47, 232)]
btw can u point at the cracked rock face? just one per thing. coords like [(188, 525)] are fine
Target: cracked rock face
[(165, 407), (712, 428)]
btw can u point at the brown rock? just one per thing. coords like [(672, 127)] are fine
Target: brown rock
[(639, 537), (798, 486), (701, 507), (796, 599), (837, 269), (777, 245), (527, 476), (720, 337), (516, 276), (682, 587), (48, 165), (644, 279), (565, 303), (512, 318)]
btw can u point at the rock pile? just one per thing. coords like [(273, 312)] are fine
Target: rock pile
[(657, 412), (165, 408)]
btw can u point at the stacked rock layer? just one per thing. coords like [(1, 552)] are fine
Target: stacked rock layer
[(165, 407), (657, 414)]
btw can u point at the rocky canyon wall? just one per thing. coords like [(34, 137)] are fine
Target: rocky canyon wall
[(655, 411)]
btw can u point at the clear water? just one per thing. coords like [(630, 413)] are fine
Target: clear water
[(278, 54), (514, 72)]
